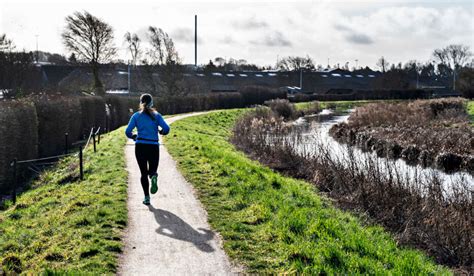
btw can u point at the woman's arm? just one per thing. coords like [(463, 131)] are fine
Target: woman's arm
[(165, 128), (131, 125)]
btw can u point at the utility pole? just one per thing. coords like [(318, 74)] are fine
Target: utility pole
[(37, 53), (454, 78), (129, 71), (416, 71), (195, 40), (301, 79), (357, 64)]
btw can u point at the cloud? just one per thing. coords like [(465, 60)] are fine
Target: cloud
[(343, 28), (228, 40), (359, 39), (275, 39), (353, 36), (185, 35), (250, 23)]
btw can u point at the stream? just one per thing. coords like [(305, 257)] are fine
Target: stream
[(314, 136)]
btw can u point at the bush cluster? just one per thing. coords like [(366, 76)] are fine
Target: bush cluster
[(435, 133)]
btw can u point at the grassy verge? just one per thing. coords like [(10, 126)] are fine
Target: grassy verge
[(272, 223), (470, 111), (67, 225), (337, 105)]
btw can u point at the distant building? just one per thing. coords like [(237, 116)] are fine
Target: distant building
[(143, 79)]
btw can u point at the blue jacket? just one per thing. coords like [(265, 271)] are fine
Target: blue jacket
[(147, 127)]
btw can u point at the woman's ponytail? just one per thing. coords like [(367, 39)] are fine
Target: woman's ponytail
[(146, 106)]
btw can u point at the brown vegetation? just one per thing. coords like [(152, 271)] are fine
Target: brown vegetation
[(433, 133)]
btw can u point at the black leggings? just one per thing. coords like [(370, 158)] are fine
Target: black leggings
[(148, 157)]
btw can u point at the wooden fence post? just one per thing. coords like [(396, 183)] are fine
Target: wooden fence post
[(93, 139), (14, 164), (65, 142), (81, 168)]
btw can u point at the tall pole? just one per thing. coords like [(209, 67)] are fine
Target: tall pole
[(37, 54), (195, 40), (416, 71), (301, 79), (454, 78), (129, 78), (357, 64)]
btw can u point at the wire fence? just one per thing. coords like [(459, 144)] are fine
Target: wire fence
[(37, 165)]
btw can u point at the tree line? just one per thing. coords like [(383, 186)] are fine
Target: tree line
[(90, 41)]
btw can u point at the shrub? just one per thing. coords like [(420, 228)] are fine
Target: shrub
[(120, 109), (416, 113), (282, 108), (19, 137), (253, 95), (57, 116)]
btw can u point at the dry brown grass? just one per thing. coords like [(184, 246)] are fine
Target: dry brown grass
[(438, 131), (443, 112)]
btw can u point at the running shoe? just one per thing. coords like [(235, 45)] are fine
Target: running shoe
[(146, 201), (154, 183)]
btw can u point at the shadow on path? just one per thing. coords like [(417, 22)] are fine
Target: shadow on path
[(174, 227)]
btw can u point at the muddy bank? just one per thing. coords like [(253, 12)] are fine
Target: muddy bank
[(368, 139)]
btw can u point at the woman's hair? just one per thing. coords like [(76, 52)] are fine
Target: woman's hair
[(146, 105)]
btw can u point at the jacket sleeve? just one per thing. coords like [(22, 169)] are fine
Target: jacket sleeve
[(131, 125), (165, 128)]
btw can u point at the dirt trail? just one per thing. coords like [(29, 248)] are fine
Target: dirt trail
[(171, 236)]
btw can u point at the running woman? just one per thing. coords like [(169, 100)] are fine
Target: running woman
[(147, 151)]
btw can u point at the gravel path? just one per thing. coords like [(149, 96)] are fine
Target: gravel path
[(171, 236)]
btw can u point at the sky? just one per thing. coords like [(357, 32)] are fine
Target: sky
[(260, 32)]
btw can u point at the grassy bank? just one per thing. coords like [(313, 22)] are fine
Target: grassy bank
[(272, 223), (470, 111), (67, 225), (337, 105)]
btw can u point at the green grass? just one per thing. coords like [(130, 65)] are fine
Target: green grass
[(66, 225), (470, 111), (273, 224), (340, 106)]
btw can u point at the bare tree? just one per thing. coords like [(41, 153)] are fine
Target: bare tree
[(15, 70), (219, 61), (454, 56), (6, 45), (293, 63), (133, 45), (91, 40), (164, 55), (383, 64), (163, 50), (242, 62)]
